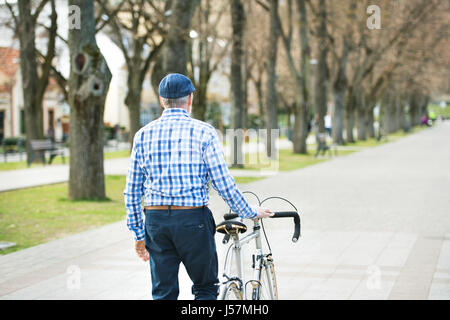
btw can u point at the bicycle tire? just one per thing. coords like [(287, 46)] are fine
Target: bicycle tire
[(268, 288), (231, 292)]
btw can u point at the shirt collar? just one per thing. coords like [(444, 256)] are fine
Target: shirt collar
[(174, 112)]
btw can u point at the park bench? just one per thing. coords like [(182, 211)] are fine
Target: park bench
[(323, 147), (39, 147), (13, 145)]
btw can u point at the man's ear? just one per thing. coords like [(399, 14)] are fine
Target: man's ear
[(161, 102), (191, 96)]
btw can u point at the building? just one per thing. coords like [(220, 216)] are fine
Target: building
[(12, 115)]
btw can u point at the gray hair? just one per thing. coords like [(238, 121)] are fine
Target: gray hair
[(175, 103)]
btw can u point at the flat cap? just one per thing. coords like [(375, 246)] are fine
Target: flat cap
[(174, 86)]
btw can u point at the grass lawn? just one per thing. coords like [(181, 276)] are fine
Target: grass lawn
[(440, 111), (288, 160), (37, 215), (58, 160), (372, 142)]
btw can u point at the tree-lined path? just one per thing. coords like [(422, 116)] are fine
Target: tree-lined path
[(376, 225)]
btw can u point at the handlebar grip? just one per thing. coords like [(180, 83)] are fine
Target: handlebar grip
[(290, 214)]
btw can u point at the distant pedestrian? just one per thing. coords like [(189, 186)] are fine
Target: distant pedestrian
[(58, 131), (424, 120), (327, 123), (51, 134)]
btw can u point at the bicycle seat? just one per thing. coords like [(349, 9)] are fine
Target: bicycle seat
[(231, 227)]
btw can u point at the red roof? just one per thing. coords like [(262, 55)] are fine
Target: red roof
[(9, 61)]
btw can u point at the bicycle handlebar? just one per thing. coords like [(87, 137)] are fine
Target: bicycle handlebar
[(291, 214), (278, 214)]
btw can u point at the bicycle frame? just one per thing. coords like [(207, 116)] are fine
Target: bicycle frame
[(259, 261)]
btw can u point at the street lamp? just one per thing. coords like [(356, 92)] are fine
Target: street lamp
[(193, 34)]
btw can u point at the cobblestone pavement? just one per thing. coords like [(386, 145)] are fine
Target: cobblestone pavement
[(376, 225)]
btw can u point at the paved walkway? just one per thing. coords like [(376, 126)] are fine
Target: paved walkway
[(376, 225)]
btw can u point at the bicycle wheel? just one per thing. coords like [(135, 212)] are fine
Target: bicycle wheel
[(268, 284), (231, 292)]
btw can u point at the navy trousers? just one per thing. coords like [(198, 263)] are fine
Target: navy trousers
[(187, 236)]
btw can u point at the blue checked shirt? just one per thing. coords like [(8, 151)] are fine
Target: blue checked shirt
[(172, 161)]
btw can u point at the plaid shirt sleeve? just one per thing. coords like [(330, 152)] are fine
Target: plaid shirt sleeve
[(133, 193), (223, 182)]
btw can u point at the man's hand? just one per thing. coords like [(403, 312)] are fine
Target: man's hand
[(263, 213), (141, 250)]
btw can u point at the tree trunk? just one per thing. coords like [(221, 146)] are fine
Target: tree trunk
[(134, 114), (300, 132), (133, 102), (322, 69), (361, 114), (301, 109), (237, 96), (29, 71), (339, 88), (88, 85), (199, 106), (157, 73), (177, 39), (338, 116), (271, 90), (350, 116), (370, 122), (390, 112), (398, 114), (259, 93), (370, 103)]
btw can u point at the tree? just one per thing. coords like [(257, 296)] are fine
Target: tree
[(88, 85), (35, 68), (256, 45), (237, 96), (177, 41), (343, 21), (271, 81), (300, 75), (207, 52), (137, 27), (372, 53), (321, 92)]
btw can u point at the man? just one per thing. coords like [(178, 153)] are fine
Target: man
[(172, 161)]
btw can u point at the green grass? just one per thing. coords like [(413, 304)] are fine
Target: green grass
[(287, 160), (37, 215), (58, 160), (439, 111), (245, 180), (372, 142)]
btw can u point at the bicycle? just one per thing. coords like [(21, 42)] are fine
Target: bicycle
[(264, 284)]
